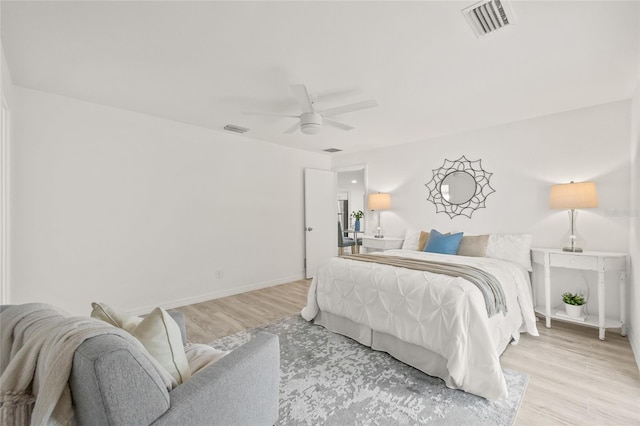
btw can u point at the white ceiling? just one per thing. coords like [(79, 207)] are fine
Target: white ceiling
[(206, 63)]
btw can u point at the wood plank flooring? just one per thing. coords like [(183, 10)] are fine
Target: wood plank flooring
[(574, 377), (213, 319)]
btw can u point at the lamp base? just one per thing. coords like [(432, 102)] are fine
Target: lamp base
[(572, 242), (572, 249)]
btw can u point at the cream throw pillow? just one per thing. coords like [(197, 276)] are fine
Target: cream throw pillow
[(114, 317), (158, 333)]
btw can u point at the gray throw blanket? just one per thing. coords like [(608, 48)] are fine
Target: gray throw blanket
[(488, 285)]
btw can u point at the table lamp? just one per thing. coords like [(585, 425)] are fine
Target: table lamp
[(572, 196), (378, 202)]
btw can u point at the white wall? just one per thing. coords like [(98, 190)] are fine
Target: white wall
[(526, 158), (115, 206)]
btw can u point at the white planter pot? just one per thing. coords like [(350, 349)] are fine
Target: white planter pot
[(573, 310)]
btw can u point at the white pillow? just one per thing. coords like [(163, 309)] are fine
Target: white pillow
[(114, 317), (411, 239), (158, 333), (512, 247)]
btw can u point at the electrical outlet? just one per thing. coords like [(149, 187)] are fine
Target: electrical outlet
[(219, 273)]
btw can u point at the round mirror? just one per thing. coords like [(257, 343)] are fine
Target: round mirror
[(458, 187)]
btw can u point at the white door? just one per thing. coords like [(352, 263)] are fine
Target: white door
[(320, 218)]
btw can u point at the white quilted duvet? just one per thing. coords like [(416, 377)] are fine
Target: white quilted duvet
[(444, 314)]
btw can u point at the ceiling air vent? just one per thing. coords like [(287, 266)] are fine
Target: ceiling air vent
[(237, 129), (489, 16), (332, 150)]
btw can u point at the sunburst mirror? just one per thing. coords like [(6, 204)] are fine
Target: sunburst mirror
[(460, 187)]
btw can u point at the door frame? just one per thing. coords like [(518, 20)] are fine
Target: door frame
[(361, 166), (4, 199)]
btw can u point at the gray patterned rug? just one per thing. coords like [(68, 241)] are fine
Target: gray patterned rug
[(329, 379)]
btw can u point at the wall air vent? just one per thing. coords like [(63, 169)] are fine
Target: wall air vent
[(488, 16), (332, 150), (237, 129)]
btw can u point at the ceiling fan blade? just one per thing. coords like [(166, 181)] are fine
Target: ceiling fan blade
[(301, 94), (270, 114), (292, 129), (337, 124), (348, 108)]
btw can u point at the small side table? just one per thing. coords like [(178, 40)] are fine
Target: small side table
[(599, 262), (371, 243)]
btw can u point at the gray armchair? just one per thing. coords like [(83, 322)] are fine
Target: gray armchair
[(113, 383)]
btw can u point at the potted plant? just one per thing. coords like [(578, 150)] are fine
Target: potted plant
[(573, 304), (357, 215)]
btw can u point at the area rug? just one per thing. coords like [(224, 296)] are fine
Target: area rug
[(329, 379)]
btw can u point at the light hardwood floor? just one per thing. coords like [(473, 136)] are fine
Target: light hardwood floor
[(574, 377)]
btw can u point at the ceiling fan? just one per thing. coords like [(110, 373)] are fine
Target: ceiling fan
[(311, 120)]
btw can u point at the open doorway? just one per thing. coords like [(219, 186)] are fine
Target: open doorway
[(351, 192)]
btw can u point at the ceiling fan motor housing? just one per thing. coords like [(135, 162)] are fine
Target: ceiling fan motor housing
[(311, 123)]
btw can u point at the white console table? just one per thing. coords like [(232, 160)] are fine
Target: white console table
[(599, 262), (371, 243)]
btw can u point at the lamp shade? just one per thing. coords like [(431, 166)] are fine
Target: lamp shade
[(580, 195), (379, 201)]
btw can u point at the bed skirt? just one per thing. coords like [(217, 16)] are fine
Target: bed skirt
[(416, 356)]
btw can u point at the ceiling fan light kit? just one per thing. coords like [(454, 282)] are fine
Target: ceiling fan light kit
[(311, 121)]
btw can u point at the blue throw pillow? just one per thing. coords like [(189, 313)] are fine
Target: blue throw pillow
[(444, 244)]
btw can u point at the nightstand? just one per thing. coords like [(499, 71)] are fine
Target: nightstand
[(599, 262), (371, 243)]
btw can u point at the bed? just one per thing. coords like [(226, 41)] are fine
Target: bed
[(440, 324)]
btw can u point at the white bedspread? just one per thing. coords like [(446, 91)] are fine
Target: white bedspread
[(444, 314)]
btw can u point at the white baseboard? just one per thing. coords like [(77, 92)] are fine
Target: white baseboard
[(635, 346), (214, 295)]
